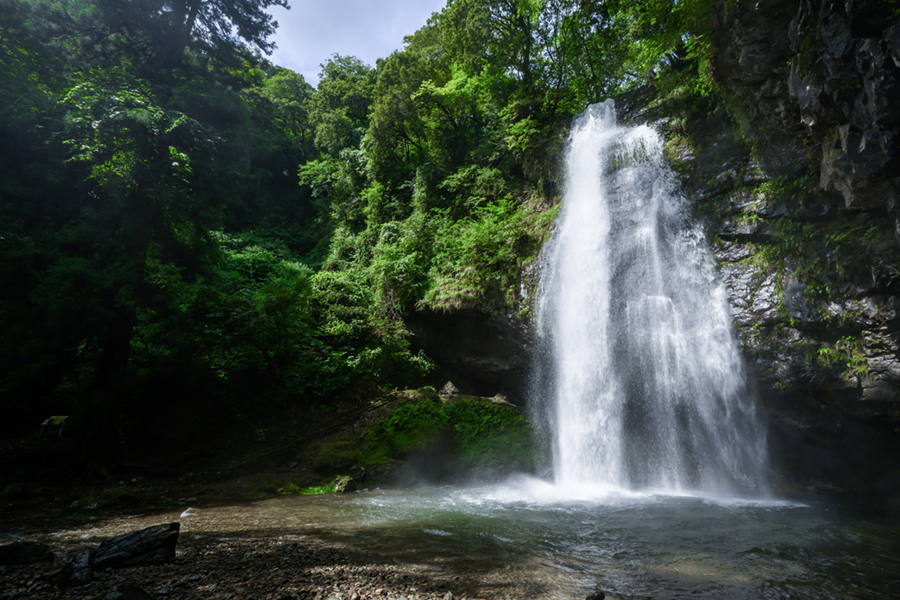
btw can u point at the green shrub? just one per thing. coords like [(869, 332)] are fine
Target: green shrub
[(292, 489)]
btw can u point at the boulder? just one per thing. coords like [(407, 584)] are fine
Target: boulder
[(449, 390), (78, 571), (83, 566), (151, 546)]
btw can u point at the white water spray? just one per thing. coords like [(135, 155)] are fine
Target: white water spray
[(643, 384)]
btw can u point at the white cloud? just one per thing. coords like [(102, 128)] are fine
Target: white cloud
[(313, 30)]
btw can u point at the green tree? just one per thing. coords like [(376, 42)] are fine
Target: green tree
[(339, 109), (207, 25), (135, 152), (146, 30)]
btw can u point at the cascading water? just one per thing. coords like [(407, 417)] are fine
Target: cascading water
[(642, 382)]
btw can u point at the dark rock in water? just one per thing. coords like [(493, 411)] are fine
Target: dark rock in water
[(78, 571), (358, 473), (126, 591), (151, 546), (24, 553), (344, 485), (388, 472), (595, 596)]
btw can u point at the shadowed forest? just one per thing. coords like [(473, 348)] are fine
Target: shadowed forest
[(196, 243)]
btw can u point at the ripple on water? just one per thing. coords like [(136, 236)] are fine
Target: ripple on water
[(642, 542)]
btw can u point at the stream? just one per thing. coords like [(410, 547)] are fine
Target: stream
[(527, 534), (630, 544)]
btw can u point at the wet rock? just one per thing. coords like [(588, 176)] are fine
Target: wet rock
[(78, 571), (358, 473), (151, 546), (24, 553)]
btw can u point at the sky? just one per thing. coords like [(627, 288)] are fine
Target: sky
[(312, 30)]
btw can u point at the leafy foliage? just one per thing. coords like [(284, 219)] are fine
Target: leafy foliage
[(188, 230)]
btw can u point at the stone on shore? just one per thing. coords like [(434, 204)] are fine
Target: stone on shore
[(151, 546), (78, 571)]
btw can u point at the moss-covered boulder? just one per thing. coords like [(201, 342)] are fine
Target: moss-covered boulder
[(435, 438)]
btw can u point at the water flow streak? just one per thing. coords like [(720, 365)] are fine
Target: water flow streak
[(643, 386)]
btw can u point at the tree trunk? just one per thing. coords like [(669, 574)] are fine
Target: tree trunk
[(180, 39)]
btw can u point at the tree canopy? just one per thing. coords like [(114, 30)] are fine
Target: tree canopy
[(187, 228)]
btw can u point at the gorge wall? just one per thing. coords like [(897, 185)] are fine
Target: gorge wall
[(798, 181), (797, 176)]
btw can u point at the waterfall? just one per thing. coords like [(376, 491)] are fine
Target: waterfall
[(642, 384)]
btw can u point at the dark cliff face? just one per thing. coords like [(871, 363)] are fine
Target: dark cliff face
[(819, 82), (481, 352), (798, 183)]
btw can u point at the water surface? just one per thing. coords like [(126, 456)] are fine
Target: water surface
[(632, 545)]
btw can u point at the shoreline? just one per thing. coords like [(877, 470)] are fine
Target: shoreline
[(232, 558)]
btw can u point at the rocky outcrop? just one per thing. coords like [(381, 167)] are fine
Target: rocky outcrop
[(797, 182), (481, 352), (814, 289), (808, 248), (151, 546), (819, 83)]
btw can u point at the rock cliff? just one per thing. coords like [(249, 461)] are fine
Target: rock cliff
[(797, 176), (798, 182)]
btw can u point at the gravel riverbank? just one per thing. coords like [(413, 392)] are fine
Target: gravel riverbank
[(277, 569), (217, 559)]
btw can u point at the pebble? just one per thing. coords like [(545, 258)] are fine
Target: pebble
[(242, 569)]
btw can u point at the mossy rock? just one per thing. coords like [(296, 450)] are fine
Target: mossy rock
[(336, 455), (426, 393), (344, 485)]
